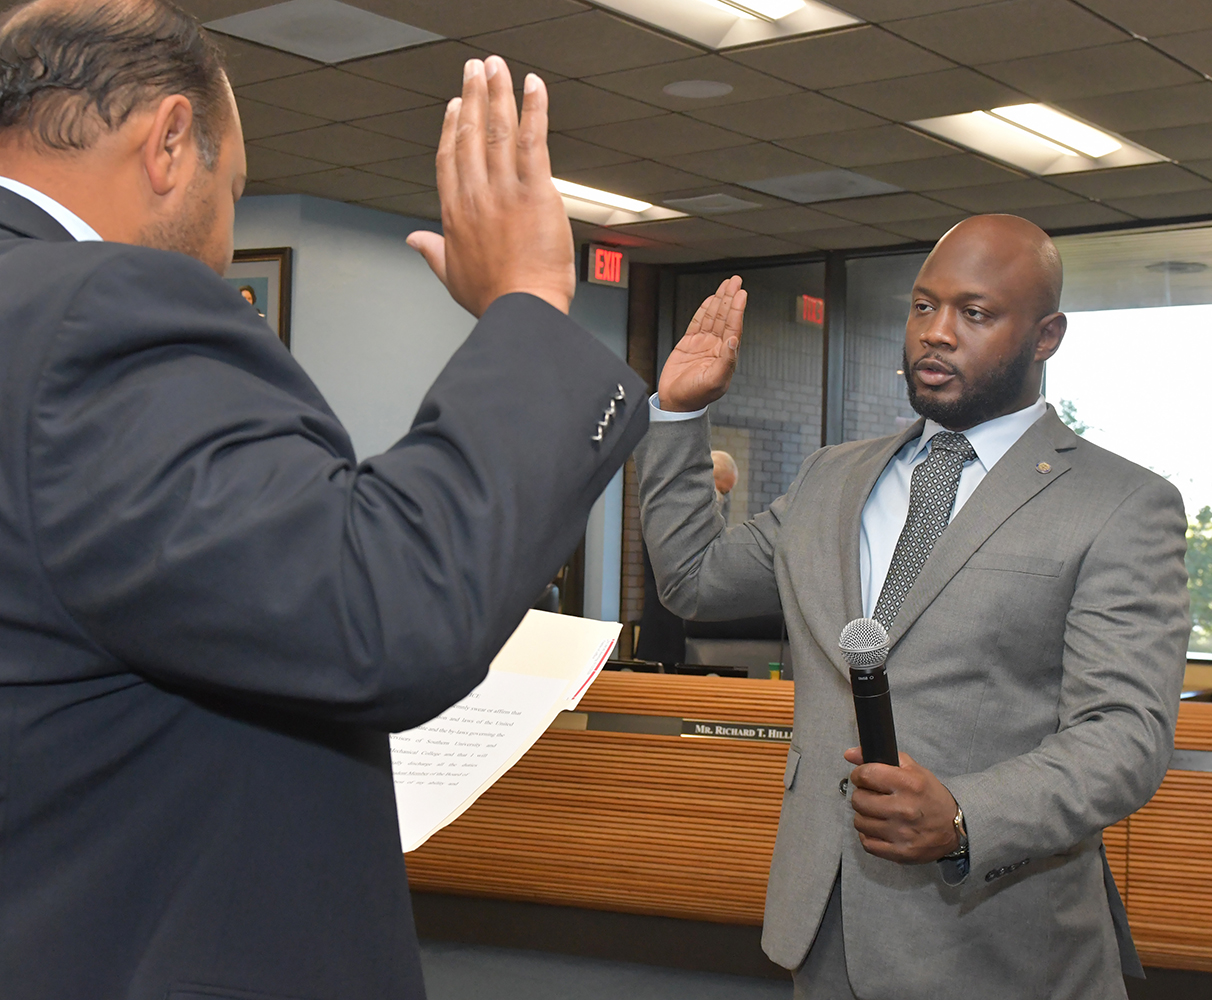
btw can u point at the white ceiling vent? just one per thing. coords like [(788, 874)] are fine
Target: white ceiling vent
[(821, 185), (324, 30)]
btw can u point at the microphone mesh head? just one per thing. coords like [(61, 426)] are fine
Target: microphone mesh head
[(864, 643)]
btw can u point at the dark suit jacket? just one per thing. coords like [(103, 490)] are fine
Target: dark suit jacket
[(211, 615)]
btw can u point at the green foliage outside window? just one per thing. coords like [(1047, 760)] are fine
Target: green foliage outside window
[(1199, 569)]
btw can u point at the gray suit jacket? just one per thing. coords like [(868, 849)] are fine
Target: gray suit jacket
[(1036, 667)]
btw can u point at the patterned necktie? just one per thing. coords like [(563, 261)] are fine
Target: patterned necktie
[(931, 497)]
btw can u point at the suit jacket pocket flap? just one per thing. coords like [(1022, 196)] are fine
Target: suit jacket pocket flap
[(793, 763), (1011, 562)]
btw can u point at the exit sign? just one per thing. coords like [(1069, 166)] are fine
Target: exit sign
[(603, 265), (809, 309)]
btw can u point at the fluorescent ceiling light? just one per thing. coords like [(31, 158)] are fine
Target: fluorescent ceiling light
[(598, 197), (1050, 123), (605, 208), (324, 30), (725, 24), (1038, 139)]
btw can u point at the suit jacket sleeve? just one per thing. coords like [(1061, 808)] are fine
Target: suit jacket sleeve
[(1125, 646), (200, 514), (704, 570)]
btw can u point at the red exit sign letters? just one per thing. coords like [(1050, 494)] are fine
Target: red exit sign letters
[(604, 265), (809, 309)]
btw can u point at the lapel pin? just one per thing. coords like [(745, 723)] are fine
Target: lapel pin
[(1043, 468)]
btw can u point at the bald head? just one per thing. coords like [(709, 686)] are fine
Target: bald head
[(1009, 246), (984, 318), (725, 471)]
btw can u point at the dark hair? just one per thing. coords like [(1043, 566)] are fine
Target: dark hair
[(70, 70)]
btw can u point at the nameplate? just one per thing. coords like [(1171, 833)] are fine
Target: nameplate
[(762, 733)]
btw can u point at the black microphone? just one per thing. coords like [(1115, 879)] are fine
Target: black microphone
[(864, 644)]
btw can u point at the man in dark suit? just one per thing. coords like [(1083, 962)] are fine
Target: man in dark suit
[(211, 614)]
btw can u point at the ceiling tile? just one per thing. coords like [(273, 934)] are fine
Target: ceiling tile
[(347, 184), (640, 177), (266, 164), (1190, 104), (1163, 206), (1127, 182), (1193, 48), (1155, 17), (421, 125), (748, 246), (782, 219), (586, 44), (333, 94), (1108, 69), (423, 205), (436, 70), (417, 169), (960, 170), (838, 58), (342, 145), (786, 117), (1084, 213), (909, 98), (1007, 197), (926, 230), (1008, 30), (685, 230), (257, 189), (661, 137), (883, 144), (894, 10), (1184, 142), (569, 154), (1201, 167), (646, 83), (884, 209), (251, 63), (578, 105), (704, 188), (470, 17), (852, 237), (754, 162), (259, 120)]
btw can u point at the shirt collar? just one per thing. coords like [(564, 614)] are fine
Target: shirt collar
[(992, 439), (80, 230)]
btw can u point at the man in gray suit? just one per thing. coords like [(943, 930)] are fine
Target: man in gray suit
[(1035, 594)]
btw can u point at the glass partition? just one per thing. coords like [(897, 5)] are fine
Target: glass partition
[(1131, 373), (770, 420), (877, 305)]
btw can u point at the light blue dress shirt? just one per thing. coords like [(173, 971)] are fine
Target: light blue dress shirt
[(886, 509), (80, 230)]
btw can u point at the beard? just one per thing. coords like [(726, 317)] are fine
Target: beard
[(190, 232), (980, 399)]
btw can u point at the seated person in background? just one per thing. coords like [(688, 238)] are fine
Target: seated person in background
[(1035, 595)]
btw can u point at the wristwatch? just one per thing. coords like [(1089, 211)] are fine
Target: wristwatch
[(962, 833)]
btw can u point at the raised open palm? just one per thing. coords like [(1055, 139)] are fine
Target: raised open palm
[(700, 367)]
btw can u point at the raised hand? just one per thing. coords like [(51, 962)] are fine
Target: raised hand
[(504, 222), (699, 369)]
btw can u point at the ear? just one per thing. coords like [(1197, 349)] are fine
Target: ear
[(169, 151), (1051, 333)]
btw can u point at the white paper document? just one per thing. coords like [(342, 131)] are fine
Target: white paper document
[(442, 767)]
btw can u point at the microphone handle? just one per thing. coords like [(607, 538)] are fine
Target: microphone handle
[(873, 712)]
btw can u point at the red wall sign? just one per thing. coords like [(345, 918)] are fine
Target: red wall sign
[(809, 309), (604, 266)]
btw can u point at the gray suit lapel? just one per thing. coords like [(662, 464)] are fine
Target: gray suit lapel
[(1011, 483)]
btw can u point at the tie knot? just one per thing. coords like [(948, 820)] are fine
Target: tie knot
[(954, 442)]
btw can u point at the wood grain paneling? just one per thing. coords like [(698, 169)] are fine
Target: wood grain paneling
[(679, 827)]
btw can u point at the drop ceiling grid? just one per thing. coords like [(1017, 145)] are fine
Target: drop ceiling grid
[(615, 92)]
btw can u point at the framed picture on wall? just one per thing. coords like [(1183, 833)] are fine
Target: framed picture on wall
[(263, 278)]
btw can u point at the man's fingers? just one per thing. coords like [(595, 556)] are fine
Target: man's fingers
[(883, 778), (470, 137), (534, 163), (734, 323), (432, 247), (502, 125), (448, 170)]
